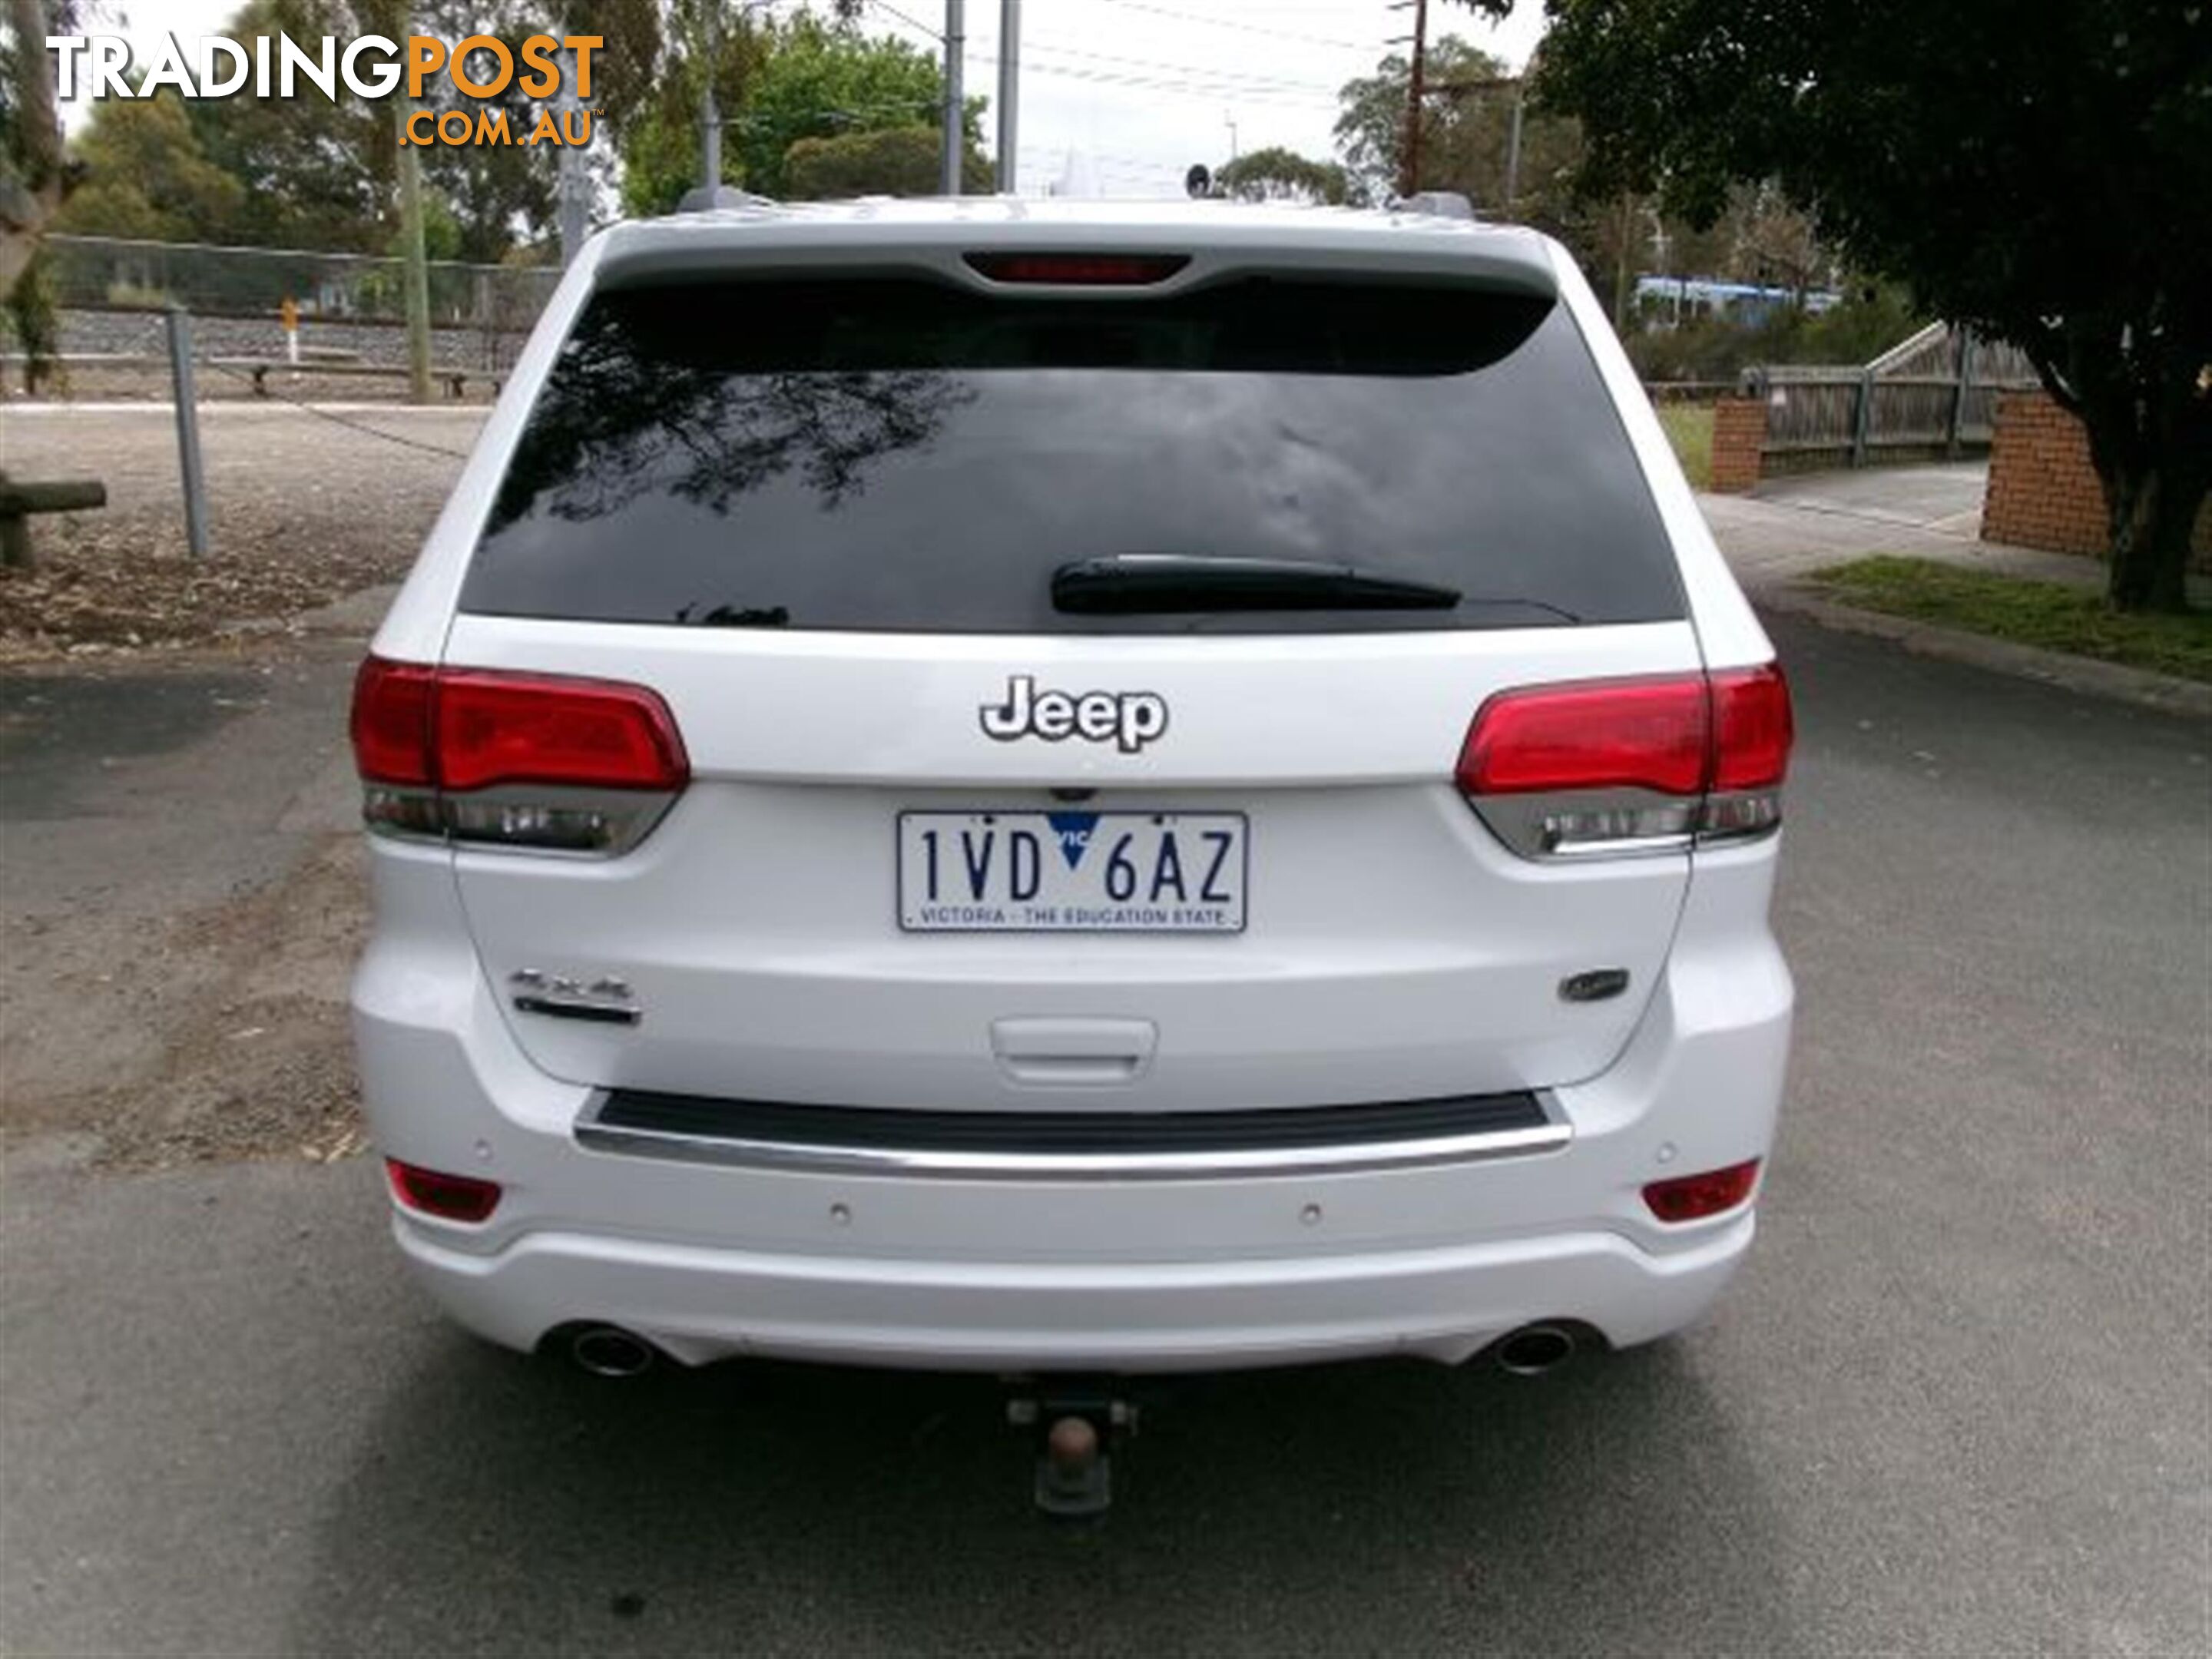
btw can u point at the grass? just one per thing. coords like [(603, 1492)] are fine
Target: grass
[(2056, 616), (1690, 429)]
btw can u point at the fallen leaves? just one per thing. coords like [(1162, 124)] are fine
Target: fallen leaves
[(110, 588)]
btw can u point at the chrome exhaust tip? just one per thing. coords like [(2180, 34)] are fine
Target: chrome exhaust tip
[(1535, 1349), (610, 1350)]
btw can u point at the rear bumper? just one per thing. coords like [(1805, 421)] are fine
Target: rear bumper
[(1446, 1304), (945, 1271)]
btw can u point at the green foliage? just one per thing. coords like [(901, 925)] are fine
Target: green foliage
[(146, 175), (1463, 133), (33, 325), (1870, 320), (2054, 615), (1689, 428), (310, 172), (1277, 174), (442, 237), (315, 174), (2040, 176), (777, 82), (1467, 126), (893, 161)]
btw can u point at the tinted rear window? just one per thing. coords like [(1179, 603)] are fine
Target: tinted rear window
[(901, 455)]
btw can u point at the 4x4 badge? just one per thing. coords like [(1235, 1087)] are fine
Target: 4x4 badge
[(1128, 719)]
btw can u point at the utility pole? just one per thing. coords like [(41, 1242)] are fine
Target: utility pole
[(1620, 270), (1409, 159), (710, 112), (1229, 121), (955, 116), (1513, 152), (415, 268), (570, 181), (1010, 53)]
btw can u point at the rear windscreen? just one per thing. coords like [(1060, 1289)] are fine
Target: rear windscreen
[(899, 455)]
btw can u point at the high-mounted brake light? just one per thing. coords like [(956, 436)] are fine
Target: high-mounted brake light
[(1606, 766), (527, 760), (1693, 1197), (448, 1197), (1079, 270)]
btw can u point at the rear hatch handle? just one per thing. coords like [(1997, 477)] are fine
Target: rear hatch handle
[(1068, 1052)]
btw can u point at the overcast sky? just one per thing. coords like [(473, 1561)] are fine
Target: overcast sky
[(1118, 97)]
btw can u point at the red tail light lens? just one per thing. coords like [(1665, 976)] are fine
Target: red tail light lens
[(390, 723), (1692, 1198), (448, 1197), (1079, 270), (517, 728), (523, 760), (1616, 734), (1752, 728)]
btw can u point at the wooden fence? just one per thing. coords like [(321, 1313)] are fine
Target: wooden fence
[(1934, 394)]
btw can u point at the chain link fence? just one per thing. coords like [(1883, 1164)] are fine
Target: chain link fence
[(351, 306)]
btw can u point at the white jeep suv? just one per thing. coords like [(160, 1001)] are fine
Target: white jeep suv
[(1051, 786)]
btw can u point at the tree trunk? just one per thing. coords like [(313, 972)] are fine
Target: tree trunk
[(26, 204), (2149, 426), (2152, 513)]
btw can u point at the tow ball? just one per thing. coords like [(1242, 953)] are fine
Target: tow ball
[(1074, 1427)]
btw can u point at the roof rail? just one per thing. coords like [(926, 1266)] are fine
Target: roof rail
[(1439, 204), (702, 199)]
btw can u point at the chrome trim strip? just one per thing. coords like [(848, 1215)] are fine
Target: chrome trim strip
[(1626, 847), (1550, 1137)]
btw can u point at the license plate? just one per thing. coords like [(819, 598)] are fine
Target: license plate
[(1078, 873)]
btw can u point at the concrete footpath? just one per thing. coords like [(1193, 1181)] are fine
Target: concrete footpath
[(1788, 529)]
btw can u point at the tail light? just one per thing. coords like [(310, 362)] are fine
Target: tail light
[(1694, 1197), (520, 759), (1079, 270), (448, 1197), (1610, 766)]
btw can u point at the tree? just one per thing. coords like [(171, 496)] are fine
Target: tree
[(145, 175), (1463, 135), (317, 173), (1466, 136), (893, 161), (2042, 179), (34, 178), (1276, 174), (776, 81)]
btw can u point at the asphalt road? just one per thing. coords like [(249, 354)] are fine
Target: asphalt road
[(1957, 1402)]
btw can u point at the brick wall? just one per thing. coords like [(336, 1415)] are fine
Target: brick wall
[(2042, 490), (1739, 429)]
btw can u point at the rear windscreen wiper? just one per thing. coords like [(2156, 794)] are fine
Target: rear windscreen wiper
[(1162, 584)]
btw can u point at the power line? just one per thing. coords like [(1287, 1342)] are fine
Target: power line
[(1209, 89), (1278, 81), (885, 7), (1242, 27)]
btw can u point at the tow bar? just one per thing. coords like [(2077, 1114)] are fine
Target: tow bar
[(1074, 1422)]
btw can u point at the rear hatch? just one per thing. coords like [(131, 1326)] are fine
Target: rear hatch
[(1069, 684)]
